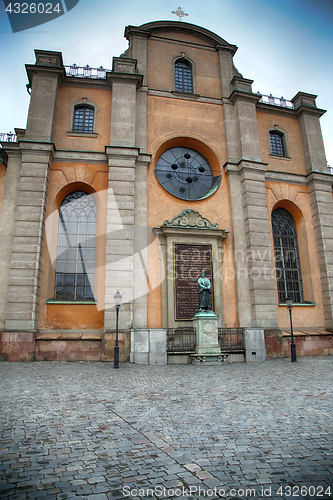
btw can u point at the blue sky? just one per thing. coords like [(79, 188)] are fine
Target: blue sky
[(283, 46)]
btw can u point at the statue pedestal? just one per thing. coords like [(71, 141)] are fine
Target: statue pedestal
[(207, 348)]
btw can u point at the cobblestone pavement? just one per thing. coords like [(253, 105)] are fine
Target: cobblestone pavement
[(88, 431)]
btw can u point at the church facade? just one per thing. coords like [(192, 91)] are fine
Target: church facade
[(140, 178)]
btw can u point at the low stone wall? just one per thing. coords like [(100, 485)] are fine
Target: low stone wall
[(148, 346), (309, 342), (254, 345), (63, 346), (68, 350), (109, 341), (274, 343), (310, 345), (17, 346)]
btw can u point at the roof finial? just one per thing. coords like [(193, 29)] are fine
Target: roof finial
[(180, 13)]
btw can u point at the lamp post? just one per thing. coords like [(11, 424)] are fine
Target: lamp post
[(289, 301), (117, 301)]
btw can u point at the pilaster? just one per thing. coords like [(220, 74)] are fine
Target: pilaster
[(44, 78), (320, 193), (23, 287), (255, 282), (240, 246), (258, 241), (308, 118), (227, 69), (126, 239), (124, 104), (7, 222)]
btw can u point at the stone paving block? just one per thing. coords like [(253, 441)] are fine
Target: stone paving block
[(64, 427)]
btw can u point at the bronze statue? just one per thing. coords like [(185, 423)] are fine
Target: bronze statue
[(204, 292)]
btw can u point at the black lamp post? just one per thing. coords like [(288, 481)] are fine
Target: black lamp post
[(117, 302), (289, 301)]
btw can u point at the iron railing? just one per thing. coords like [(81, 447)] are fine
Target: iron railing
[(276, 101), (86, 71), (8, 137), (231, 339), (181, 340)]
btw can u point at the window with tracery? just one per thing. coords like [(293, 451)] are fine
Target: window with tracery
[(288, 270), (277, 143), (74, 278), (183, 76), (83, 121)]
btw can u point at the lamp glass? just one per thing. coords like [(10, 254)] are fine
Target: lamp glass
[(289, 301), (117, 298)]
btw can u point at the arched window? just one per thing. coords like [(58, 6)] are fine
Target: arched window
[(74, 279), (83, 121), (183, 76), (277, 143), (288, 271)]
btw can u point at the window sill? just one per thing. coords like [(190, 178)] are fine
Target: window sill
[(185, 94), (73, 302), (280, 157), (82, 134), (305, 304)]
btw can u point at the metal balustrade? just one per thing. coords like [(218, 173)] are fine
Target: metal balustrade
[(181, 340), (231, 339), (86, 71), (8, 137), (276, 101)]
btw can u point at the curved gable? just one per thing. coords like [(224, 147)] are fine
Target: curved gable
[(202, 34)]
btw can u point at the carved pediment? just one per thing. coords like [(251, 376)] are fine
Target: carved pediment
[(190, 219)]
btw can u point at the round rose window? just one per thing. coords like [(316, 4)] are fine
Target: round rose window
[(186, 174)]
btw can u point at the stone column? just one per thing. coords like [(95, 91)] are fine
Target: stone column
[(141, 282), (246, 174), (308, 118), (44, 78), (120, 235), (124, 82), (23, 289), (259, 248), (320, 193), (227, 69), (240, 246), (7, 223)]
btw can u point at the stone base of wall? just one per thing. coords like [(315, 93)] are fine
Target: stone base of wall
[(310, 345), (309, 342), (63, 346), (17, 346), (68, 350), (185, 359), (273, 343), (108, 343)]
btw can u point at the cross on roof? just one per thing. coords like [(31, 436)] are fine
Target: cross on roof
[(180, 13)]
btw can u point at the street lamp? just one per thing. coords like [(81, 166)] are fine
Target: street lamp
[(289, 301), (117, 301)]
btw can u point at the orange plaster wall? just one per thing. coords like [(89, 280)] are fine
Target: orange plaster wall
[(3, 172), (161, 56), (295, 199), (101, 97), (169, 123), (63, 179), (290, 127)]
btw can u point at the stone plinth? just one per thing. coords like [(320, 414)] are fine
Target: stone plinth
[(148, 346), (254, 343), (205, 324)]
